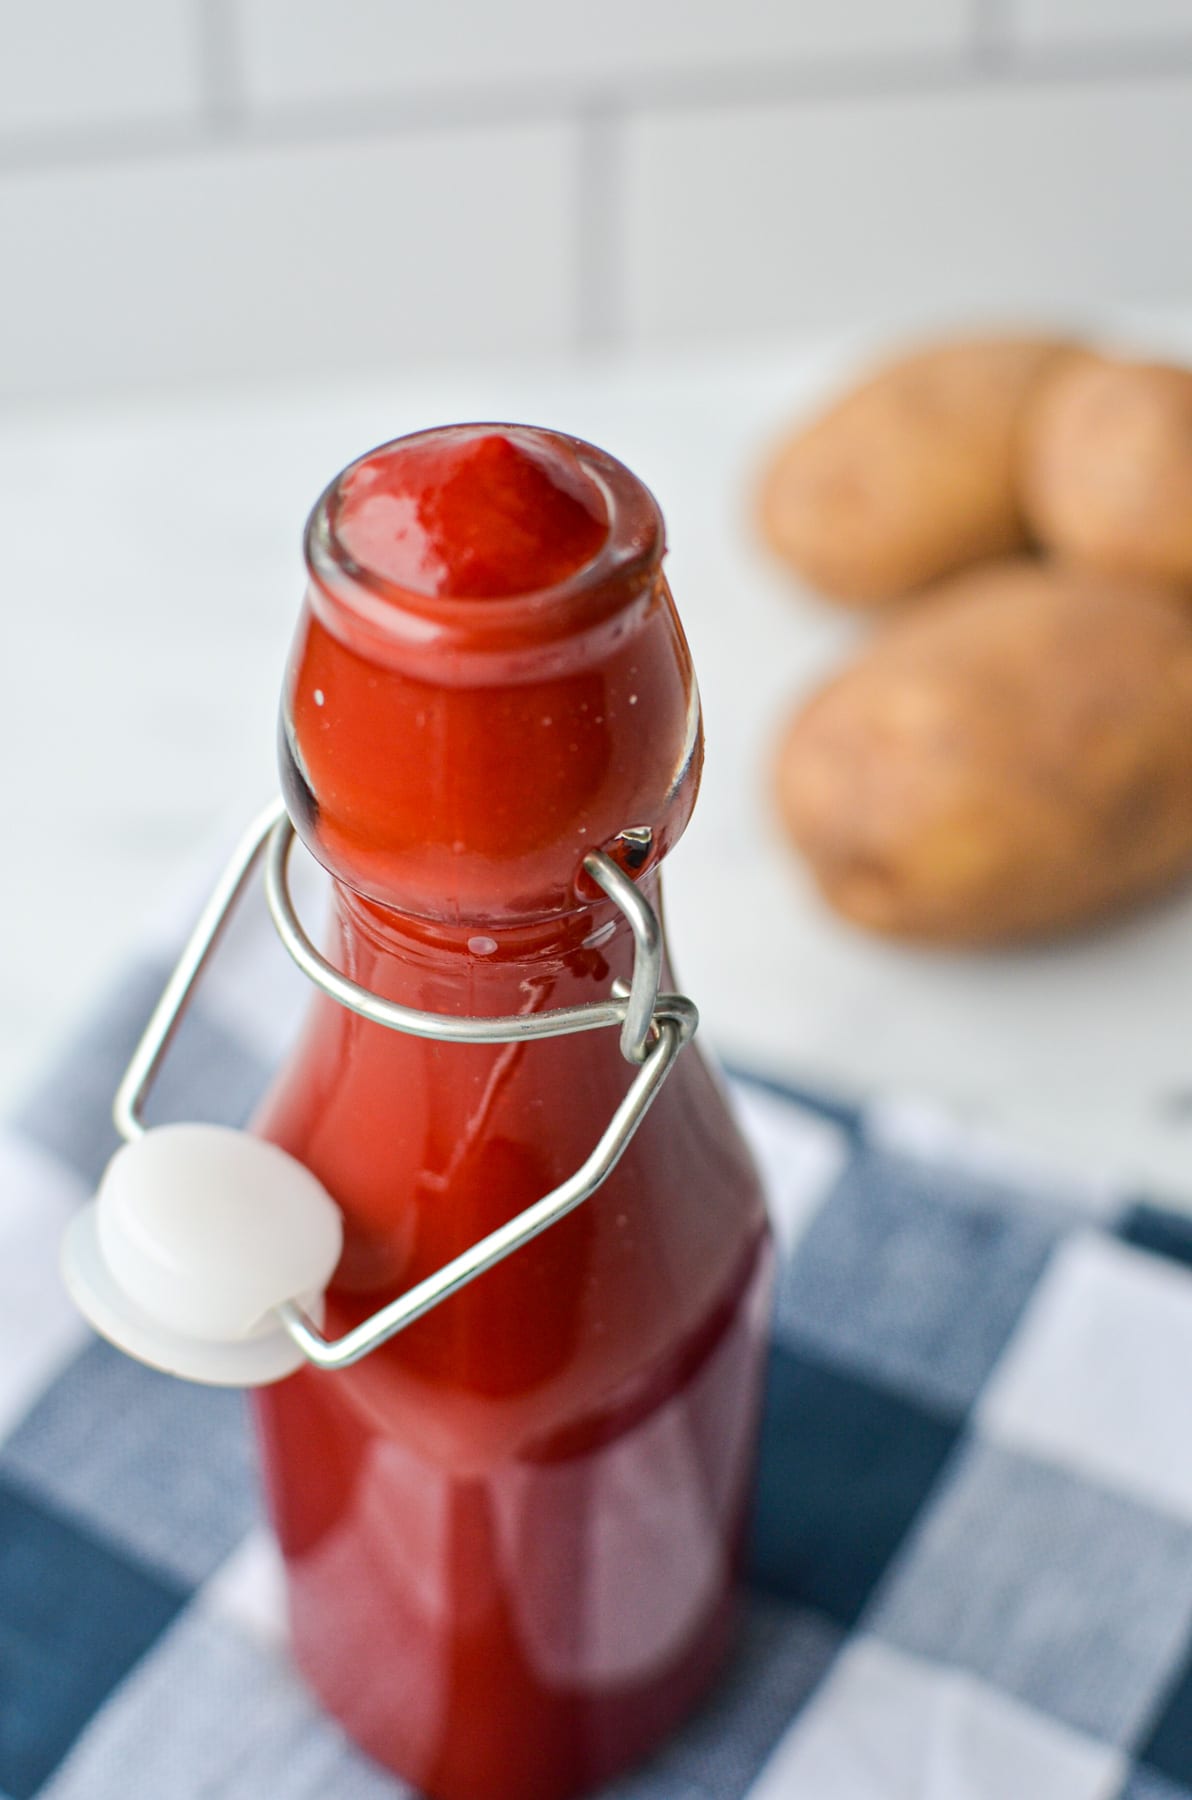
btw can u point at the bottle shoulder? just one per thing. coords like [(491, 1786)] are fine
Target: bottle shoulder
[(585, 1321)]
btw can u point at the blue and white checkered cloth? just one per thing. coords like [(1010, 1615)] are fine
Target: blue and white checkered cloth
[(971, 1563)]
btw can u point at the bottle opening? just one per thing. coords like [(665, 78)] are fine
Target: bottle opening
[(475, 535), (472, 515)]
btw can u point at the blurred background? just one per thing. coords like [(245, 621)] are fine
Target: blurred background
[(243, 239), (197, 189), (218, 188)]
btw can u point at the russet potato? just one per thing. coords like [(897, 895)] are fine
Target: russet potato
[(1106, 466), (909, 476), (1011, 758)]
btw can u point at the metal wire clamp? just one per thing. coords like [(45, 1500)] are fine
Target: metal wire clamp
[(654, 1027)]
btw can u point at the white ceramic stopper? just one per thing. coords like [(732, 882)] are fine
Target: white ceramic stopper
[(196, 1234)]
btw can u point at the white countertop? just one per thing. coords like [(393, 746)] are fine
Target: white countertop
[(152, 574)]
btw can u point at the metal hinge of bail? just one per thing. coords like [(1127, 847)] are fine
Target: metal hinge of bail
[(131, 1283)]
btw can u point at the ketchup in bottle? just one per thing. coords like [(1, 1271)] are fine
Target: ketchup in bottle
[(510, 1533)]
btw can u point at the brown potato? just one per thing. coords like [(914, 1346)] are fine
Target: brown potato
[(1011, 758), (1106, 468), (910, 476)]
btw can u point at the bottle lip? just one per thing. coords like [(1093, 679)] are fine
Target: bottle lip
[(387, 621)]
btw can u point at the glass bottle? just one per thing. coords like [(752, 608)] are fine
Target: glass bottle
[(510, 1533)]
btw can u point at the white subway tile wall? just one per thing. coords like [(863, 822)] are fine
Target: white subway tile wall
[(303, 50), (1002, 198), (206, 188), (66, 64), (1100, 22), (251, 258)]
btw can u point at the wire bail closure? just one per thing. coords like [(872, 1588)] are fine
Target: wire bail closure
[(654, 1027)]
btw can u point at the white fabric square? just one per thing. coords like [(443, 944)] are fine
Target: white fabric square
[(799, 1156), (248, 1590), (1096, 1378), (920, 1128), (886, 1726), (40, 1329)]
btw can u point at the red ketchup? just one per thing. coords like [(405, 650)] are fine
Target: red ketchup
[(511, 1533)]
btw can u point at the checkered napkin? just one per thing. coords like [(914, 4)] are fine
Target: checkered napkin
[(971, 1563)]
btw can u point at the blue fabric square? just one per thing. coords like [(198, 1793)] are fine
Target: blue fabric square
[(1073, 1599), (845, 1468), (1158, 1228), (209, 1074), (74, 1618), (914, 1275), (1168, 1743), (1145, 1784), (157, 1466)]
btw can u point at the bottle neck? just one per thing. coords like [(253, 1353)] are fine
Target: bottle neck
[(465, 969), (468, 804)]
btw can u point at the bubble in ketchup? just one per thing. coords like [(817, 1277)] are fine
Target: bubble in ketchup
[(481, 517)]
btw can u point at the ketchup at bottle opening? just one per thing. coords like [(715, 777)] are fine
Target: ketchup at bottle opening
[(511, 1533), (482, 519)]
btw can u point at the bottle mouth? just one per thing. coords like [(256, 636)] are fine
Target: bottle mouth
[(390, 619)]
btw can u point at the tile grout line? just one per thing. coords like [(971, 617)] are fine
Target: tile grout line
[(598, 299), (992, 36), (219, 70), (987, 63)]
